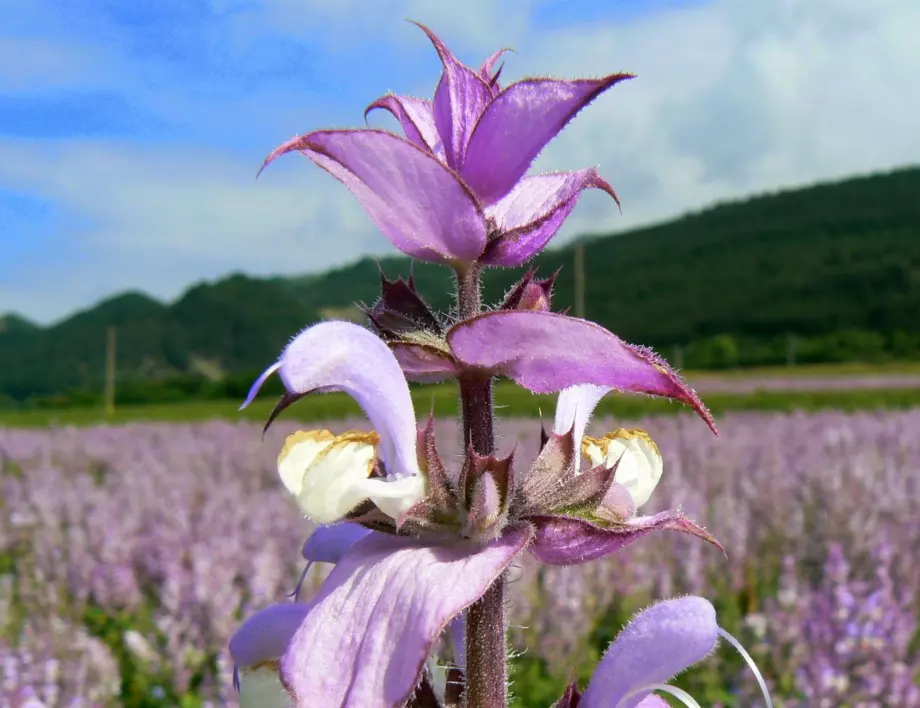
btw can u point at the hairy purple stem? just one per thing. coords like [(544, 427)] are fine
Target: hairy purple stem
[(486, 650)]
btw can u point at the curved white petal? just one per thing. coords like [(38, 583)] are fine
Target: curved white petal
[(299, 452), (262, 688), (640, 462), (574, 407), (330, 476)]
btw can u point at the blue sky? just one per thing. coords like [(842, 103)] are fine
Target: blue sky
[(130, 133)]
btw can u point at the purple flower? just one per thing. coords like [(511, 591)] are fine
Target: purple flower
[(442, 536), (546, 352), (364, 639), (454, 190), (660, 642), (542, 351)]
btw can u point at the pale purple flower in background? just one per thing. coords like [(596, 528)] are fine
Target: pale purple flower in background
[(454, 190)]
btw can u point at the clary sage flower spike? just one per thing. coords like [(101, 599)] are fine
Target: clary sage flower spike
[(420, 546), (454, 189)]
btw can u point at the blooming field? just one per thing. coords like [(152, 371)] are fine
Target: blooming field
[(129, 554)]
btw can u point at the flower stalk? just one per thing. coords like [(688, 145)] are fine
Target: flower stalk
[(486, 667)]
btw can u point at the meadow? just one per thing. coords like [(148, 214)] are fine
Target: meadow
[(129, 553), (846, 387)]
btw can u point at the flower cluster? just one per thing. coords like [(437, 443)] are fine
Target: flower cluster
[(420, 547), (848, 641)]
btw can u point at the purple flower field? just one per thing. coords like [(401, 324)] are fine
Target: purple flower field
[(129, 555)]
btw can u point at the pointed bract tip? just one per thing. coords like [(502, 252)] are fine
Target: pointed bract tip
[(599, 182), (300, 142), (571, 698), (447, 57), (285, 402), (259, 382), (682, 392)]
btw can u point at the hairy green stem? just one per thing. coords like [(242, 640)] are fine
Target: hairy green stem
[(486, 649)]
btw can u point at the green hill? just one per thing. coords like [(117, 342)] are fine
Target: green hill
[(833, 269), (233, 325), (15, 323)]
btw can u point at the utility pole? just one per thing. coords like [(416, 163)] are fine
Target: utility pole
[(790, 349), (580, 279), (678, 362), (110, 372)]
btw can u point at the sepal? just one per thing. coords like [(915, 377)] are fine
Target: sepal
[(555, 485), (401, 310), (571, 698), (561, 540), (531, 293), (487, 483)]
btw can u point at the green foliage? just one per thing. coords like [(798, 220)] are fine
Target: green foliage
[(142, 686), (514, 402), (833, 269)]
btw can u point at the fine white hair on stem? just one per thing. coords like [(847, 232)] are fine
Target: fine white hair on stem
[(679, 693), (750, 662)]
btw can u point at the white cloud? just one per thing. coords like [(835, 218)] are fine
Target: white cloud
[(734, 98), (480, 24), (157, 220)]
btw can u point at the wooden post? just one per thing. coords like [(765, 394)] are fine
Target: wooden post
[(110, 344), (579, 279), (678, 362), (790, 349)]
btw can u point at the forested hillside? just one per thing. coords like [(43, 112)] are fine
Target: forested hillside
[(825, 273)]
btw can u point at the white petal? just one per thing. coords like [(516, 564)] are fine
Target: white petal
[(640, 462), (299, 452), (330, 476), (261, 688), (394, 498), (574, 407)]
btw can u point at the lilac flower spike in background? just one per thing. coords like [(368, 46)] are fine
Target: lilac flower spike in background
[(454, 189)]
